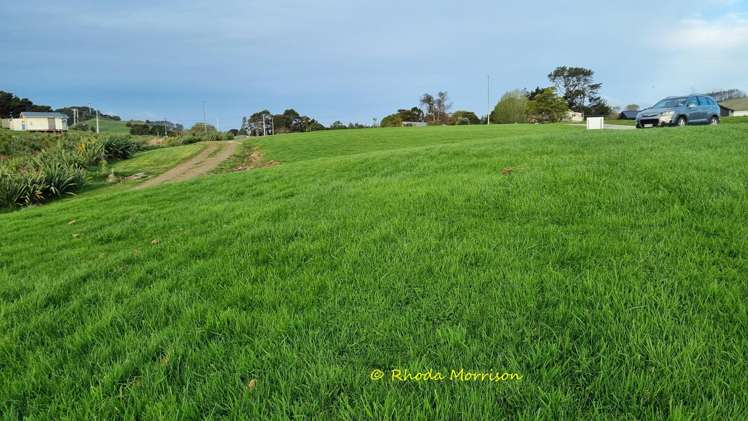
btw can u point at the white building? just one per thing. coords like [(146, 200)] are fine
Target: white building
[(38, 122), (574, 117)]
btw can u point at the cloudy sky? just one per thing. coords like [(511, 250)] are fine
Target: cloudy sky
[(352, 60)]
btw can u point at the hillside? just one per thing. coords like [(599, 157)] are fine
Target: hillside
[(606, 268), (109, 126), (740, 104)]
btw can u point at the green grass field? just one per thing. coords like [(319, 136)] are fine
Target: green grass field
[(109, 126), (620, 122), (607, 268)]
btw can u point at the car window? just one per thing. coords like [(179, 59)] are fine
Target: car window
[(692, 101), (709, 101)]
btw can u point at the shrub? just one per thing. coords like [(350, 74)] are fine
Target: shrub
[(45, 177), (512, 108), (119, 147), (90, 153)]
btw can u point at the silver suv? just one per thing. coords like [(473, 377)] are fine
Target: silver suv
[(680, 111)]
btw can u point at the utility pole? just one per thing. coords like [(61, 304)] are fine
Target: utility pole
[(264, 128), (97, 121), (272, 126), (205, 117), (166, 130), (488, 100)]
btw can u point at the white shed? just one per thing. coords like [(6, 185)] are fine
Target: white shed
[(40, 122)]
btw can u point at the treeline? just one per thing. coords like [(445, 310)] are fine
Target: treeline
[(155, 128), (571, 89), (290, 121), (726, 95), (12, 106)]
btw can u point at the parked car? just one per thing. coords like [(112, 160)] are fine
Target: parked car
[(680, 111)]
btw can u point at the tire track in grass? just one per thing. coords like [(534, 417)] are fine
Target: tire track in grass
[(201, 164)]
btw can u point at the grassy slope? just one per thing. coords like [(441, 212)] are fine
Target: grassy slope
[(157, 161), (608, 269), (152, 163), (109, 126)]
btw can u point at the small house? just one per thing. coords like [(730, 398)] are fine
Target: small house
[(574, 117), (734, 108), (628, 115), (39, 122)]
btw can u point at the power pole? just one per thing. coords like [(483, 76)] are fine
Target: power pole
[(205, 117), (97, 121), (264, 128), (488, 100)]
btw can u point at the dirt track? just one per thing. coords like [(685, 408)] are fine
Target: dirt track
[(201, 164)]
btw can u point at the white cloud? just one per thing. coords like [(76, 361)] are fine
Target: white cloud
[(726, 33)]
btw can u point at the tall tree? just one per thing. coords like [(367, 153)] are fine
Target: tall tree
[(632, 107), (547, 107), (580, 90), (427, 104), (442, 105), (512, 108)]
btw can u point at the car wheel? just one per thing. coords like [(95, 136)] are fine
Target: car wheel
[(681, 122), (714, 121)]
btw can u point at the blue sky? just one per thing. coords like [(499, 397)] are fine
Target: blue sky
[(353, 60)]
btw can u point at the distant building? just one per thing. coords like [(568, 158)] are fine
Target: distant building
[(628, 115), (414, 124), (734, 108), (38, 122), (574, 117)]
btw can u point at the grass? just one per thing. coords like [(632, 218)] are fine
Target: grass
[(239, 159), (109, 126), (734, 120), (156, 161), (621, 122), (607, 268), (151, 163)]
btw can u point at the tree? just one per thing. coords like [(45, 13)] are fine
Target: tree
[(726, 95), (532, 94), (465, 117), (512, 108), (580, 90), (547, 107), (427, 104), (337, 125), (442, 106), (12, 106), (202, 127), (413, 114), (392, 120), (632, 107)]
